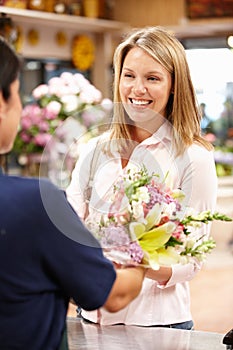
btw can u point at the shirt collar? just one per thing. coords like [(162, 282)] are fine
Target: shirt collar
[(164, 133)]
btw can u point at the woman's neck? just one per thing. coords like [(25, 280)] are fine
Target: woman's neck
[(139, 134)]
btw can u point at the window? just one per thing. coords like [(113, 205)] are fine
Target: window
[(212, 75)]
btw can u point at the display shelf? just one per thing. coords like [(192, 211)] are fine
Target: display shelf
[(79, 23), (104, 33), (204, 28)]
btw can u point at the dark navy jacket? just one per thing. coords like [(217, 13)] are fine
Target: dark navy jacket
[(46, 257)]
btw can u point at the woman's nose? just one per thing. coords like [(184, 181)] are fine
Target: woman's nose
[(139, 88)]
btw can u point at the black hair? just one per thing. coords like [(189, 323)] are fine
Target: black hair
[(10, 65)]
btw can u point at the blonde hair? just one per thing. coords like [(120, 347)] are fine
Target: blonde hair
[(182, 107)]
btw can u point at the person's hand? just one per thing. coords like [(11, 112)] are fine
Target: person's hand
[(126, 287), (117, 265), (162, 275)]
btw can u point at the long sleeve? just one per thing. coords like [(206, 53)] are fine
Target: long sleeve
[(199, 180), (80, 178), (199, 183)]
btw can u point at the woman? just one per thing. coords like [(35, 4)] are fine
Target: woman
[(44, 248), (156, 122)]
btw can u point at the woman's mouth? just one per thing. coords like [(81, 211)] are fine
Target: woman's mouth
[(140, 103)]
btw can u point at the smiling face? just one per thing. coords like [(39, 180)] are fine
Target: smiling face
[(145, 87)]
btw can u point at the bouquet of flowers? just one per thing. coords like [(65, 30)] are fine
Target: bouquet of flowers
[(148, 224), (69, 95)]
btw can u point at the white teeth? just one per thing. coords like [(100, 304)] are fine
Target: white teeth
[(140, 102)]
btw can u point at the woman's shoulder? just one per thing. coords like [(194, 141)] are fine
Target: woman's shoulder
[(197, 148), (89, 148), (100, 139), (199, 153)]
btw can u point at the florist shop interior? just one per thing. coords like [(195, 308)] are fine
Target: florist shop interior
[(61, 41)]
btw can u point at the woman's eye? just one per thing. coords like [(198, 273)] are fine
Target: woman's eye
[(153, 78), (128, 75)]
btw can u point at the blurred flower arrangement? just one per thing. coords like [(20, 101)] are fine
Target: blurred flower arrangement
[(223, 156), (69, 95), (148, 224)]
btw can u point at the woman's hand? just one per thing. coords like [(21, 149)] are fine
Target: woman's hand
[(162, 275)]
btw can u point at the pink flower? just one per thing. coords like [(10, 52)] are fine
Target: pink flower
[(42, 139), (107, 104), (25, 137), (210, 137), (26, 123), (136, 252), (44, 126), (81, 81), (68, 79), (31, 109), (58, 90), (90, 94), (70, 103), (92, 116), (179, 232), (52, 110), (36, 119), (63, 96), (114, 236), (54, 106), (40, 91)]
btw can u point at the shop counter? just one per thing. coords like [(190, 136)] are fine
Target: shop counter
[(87, 336)]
